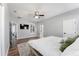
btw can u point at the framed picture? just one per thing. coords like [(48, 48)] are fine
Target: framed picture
[(24, 26)]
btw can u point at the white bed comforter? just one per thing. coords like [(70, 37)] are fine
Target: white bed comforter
[(48, 46)]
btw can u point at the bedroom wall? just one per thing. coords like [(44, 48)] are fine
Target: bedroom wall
[(54, 25), (5, 30), (0, 28), (38, 29)]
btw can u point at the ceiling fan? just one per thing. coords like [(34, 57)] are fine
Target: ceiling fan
[(37, 14)]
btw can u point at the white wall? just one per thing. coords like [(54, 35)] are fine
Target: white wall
[(0, 29), (5, 30), (38, 29), (54, 25), (7, 18)]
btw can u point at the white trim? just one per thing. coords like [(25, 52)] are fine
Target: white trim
[(1, 30), (3, 51)]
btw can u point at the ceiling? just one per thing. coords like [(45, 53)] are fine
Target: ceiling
[(26, 10)]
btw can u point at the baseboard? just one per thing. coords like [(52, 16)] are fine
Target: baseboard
[(27, 38)]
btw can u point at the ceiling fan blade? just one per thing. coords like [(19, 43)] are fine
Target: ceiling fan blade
[(41, 15)]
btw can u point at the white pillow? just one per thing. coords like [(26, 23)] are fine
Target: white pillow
[(72, 50)]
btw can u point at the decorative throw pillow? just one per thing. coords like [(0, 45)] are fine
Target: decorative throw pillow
[(72, 50), (67, 43)]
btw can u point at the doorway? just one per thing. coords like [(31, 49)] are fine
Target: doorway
[(13, 35)]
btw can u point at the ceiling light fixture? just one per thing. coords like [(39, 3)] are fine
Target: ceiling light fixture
[(36, 16)]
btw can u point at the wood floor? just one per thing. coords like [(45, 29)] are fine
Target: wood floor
[(14, 51)]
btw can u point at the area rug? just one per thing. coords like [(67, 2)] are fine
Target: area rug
[(23, 49)]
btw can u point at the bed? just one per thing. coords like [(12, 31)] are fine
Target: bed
[(47, 46)]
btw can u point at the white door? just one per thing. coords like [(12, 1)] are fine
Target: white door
[(69, 27)]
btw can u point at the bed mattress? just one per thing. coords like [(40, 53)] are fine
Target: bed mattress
[(48, 46)]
